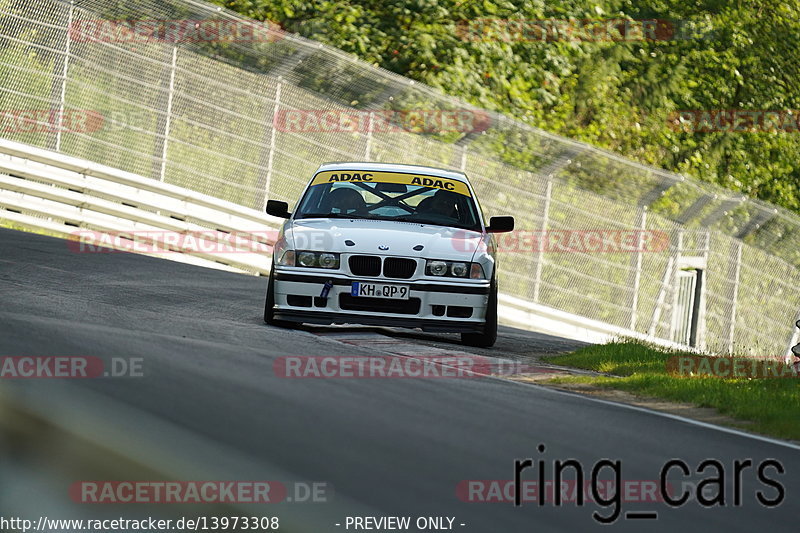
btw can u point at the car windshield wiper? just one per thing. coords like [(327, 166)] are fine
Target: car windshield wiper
[(330, 215), (405, 218), (416, 220)]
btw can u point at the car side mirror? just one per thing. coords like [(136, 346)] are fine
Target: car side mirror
[(502, 224), (277, 208)]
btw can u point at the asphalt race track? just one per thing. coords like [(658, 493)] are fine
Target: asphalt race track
[(209, 396)]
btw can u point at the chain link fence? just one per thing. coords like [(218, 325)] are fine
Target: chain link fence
[(241, 118)]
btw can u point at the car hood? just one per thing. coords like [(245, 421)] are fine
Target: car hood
[(370, 236)]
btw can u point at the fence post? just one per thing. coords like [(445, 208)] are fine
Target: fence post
[(458, 157), (637, 273), (537, 277), (272, 140), (368, 150), (735, 296), (63, 98), (168, 122)]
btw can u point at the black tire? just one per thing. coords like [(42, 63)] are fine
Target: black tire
[(487, 337), (269, 305)]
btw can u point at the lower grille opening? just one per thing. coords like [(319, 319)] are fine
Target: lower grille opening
[(320, 302), (295, 300), (456, 311), (438, 310), (379, 305)]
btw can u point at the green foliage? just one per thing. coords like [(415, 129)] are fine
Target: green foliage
[(615, 94), (770, 406)]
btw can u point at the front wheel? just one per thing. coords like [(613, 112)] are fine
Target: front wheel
[(487, 337), (269, 304)]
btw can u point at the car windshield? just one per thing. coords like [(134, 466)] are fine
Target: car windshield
[(390, 196)]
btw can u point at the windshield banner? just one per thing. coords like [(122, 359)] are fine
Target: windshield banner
[(371, 176)]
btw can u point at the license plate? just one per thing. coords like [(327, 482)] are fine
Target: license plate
[(379, 290)]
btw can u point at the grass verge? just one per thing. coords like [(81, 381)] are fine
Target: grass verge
[(769, 406)]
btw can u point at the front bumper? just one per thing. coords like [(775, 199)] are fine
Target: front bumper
[(432, 305)]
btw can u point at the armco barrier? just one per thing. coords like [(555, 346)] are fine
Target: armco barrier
[(60, 194)]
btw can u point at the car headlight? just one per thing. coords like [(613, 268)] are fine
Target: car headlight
[(453, 269), (307, 259), (459, 270), (318, 260), (436, 268), (329, 260)]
